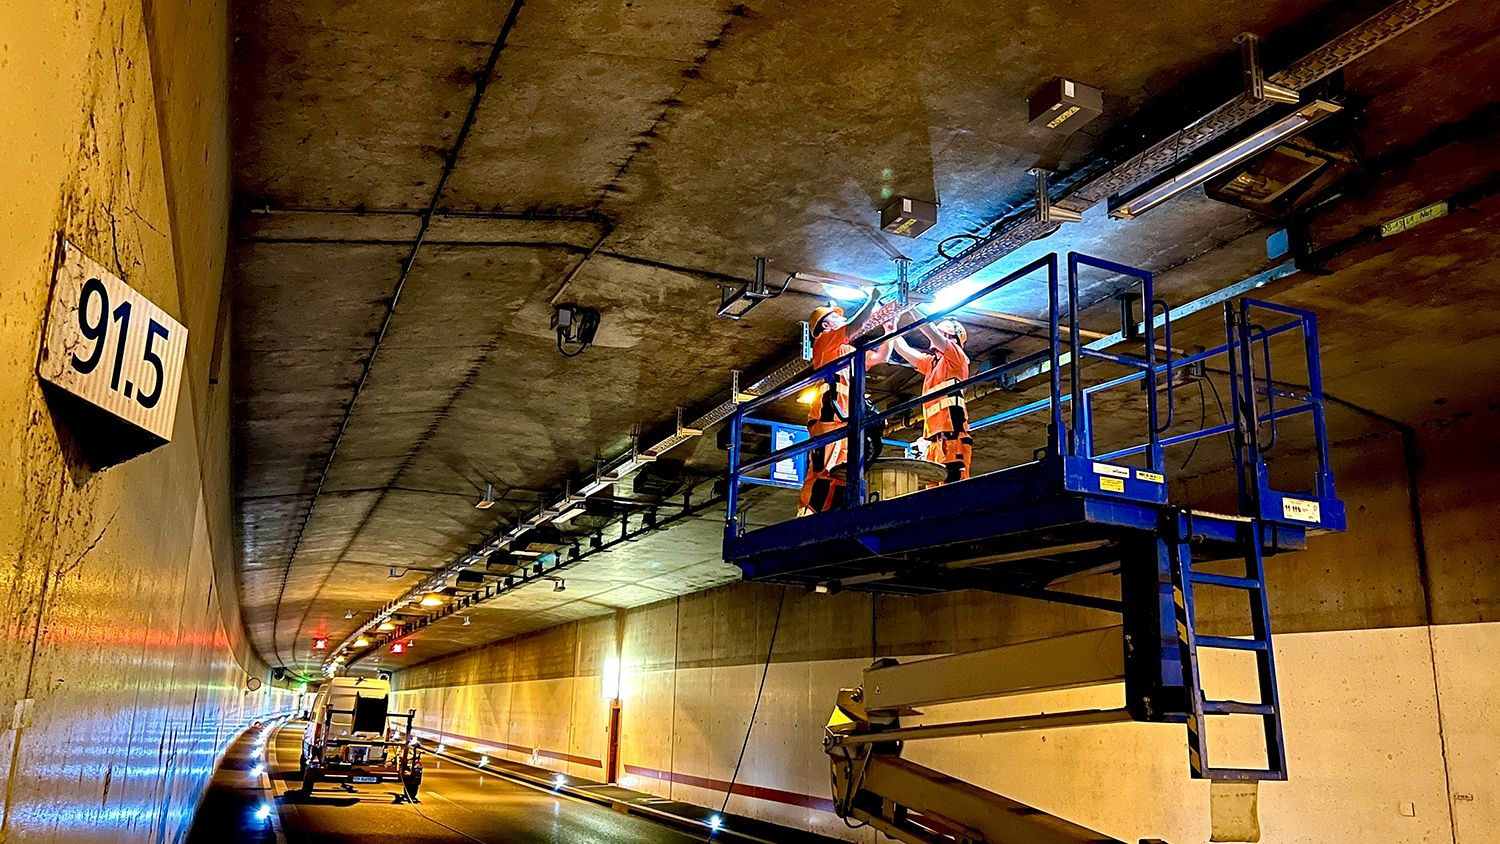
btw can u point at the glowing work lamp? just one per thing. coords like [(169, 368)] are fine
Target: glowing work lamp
[(433, 600), (320, 644)]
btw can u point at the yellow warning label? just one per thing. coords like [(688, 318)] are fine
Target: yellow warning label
[(1414, 219), (1058, 120), (1153, 477), (1112, 484)]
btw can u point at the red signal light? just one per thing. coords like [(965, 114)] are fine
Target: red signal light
[(398, 647), (320, 644)]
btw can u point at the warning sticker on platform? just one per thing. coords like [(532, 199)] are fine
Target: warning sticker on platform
[(1297, 510), (1111, 484), (1112, 471), (1153, 477)]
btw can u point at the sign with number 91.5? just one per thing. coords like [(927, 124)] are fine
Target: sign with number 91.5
[(111, 346)]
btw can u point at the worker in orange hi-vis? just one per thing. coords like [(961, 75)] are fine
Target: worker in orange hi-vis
[(821, 488), (945, 419)]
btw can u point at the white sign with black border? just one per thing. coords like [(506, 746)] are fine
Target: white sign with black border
[(111, 346)]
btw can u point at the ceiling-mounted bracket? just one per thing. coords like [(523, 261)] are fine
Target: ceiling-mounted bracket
[(740, 397), (738, 299), (1257, 87), (684, 429), (1046, 211), (903, 281)]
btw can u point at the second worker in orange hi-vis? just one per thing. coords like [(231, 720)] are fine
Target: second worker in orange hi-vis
[(945, 419), (821, 489)]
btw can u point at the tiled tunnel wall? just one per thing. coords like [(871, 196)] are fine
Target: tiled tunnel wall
[(123, 661), (1385, 713)]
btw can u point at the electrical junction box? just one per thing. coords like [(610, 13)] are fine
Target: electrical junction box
[(908, 217), (1065, 106)]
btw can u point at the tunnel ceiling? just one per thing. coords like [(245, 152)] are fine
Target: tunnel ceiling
[(627, 156)]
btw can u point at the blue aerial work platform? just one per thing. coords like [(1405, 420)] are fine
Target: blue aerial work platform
[(1071, 509)]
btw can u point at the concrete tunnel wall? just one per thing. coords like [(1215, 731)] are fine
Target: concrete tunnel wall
[(1387, 678), (123, 660)]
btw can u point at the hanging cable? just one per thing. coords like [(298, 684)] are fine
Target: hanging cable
[(766, 669)]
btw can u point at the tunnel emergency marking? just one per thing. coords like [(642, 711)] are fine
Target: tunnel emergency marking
[(109, 345)]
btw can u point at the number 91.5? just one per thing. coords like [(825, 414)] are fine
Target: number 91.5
[(97, 331)]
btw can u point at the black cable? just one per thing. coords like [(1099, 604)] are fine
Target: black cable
[(770, 648), (942, 247), (1202, 423)]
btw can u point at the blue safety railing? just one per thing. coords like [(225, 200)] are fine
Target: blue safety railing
[(1073, 434)]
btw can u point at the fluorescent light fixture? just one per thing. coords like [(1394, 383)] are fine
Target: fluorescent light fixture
[(433, 599), (1217, 163), (361, 642), (488, 500), (386, 627), (572, 512), (842, 293), (526, 552), (948, 297)]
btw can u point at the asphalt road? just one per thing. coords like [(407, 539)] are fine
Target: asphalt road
[(459, 804)]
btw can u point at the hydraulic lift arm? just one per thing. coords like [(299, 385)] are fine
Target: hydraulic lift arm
[(873, 784)]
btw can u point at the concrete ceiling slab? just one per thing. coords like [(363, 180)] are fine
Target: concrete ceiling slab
[(630, 157)]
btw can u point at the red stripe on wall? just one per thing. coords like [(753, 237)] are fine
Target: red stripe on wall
[(515, 748), (759, 792)]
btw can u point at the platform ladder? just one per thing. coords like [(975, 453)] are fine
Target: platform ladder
[(1202, 710)]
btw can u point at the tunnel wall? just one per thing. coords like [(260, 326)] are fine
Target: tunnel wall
[(1389, 719), (123, 661)]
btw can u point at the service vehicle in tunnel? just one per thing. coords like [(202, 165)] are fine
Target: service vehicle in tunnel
[(353, 739)]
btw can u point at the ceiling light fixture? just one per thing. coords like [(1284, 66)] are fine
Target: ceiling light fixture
[(361, 642), (1192, 176), (433, 600), (488, 500), (348, 614), (386, 627)]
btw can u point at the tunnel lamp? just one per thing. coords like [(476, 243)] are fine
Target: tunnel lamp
[(559, 780), (263, 812), (714, 822), (1201, 172), (386, 627), (361, 642), (488, 500), (256, 771), (433, 599), (320, 644)]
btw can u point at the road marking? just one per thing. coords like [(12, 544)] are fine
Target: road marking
[(427, 792)]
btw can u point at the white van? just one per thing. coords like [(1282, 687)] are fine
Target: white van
[(352, 738)]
